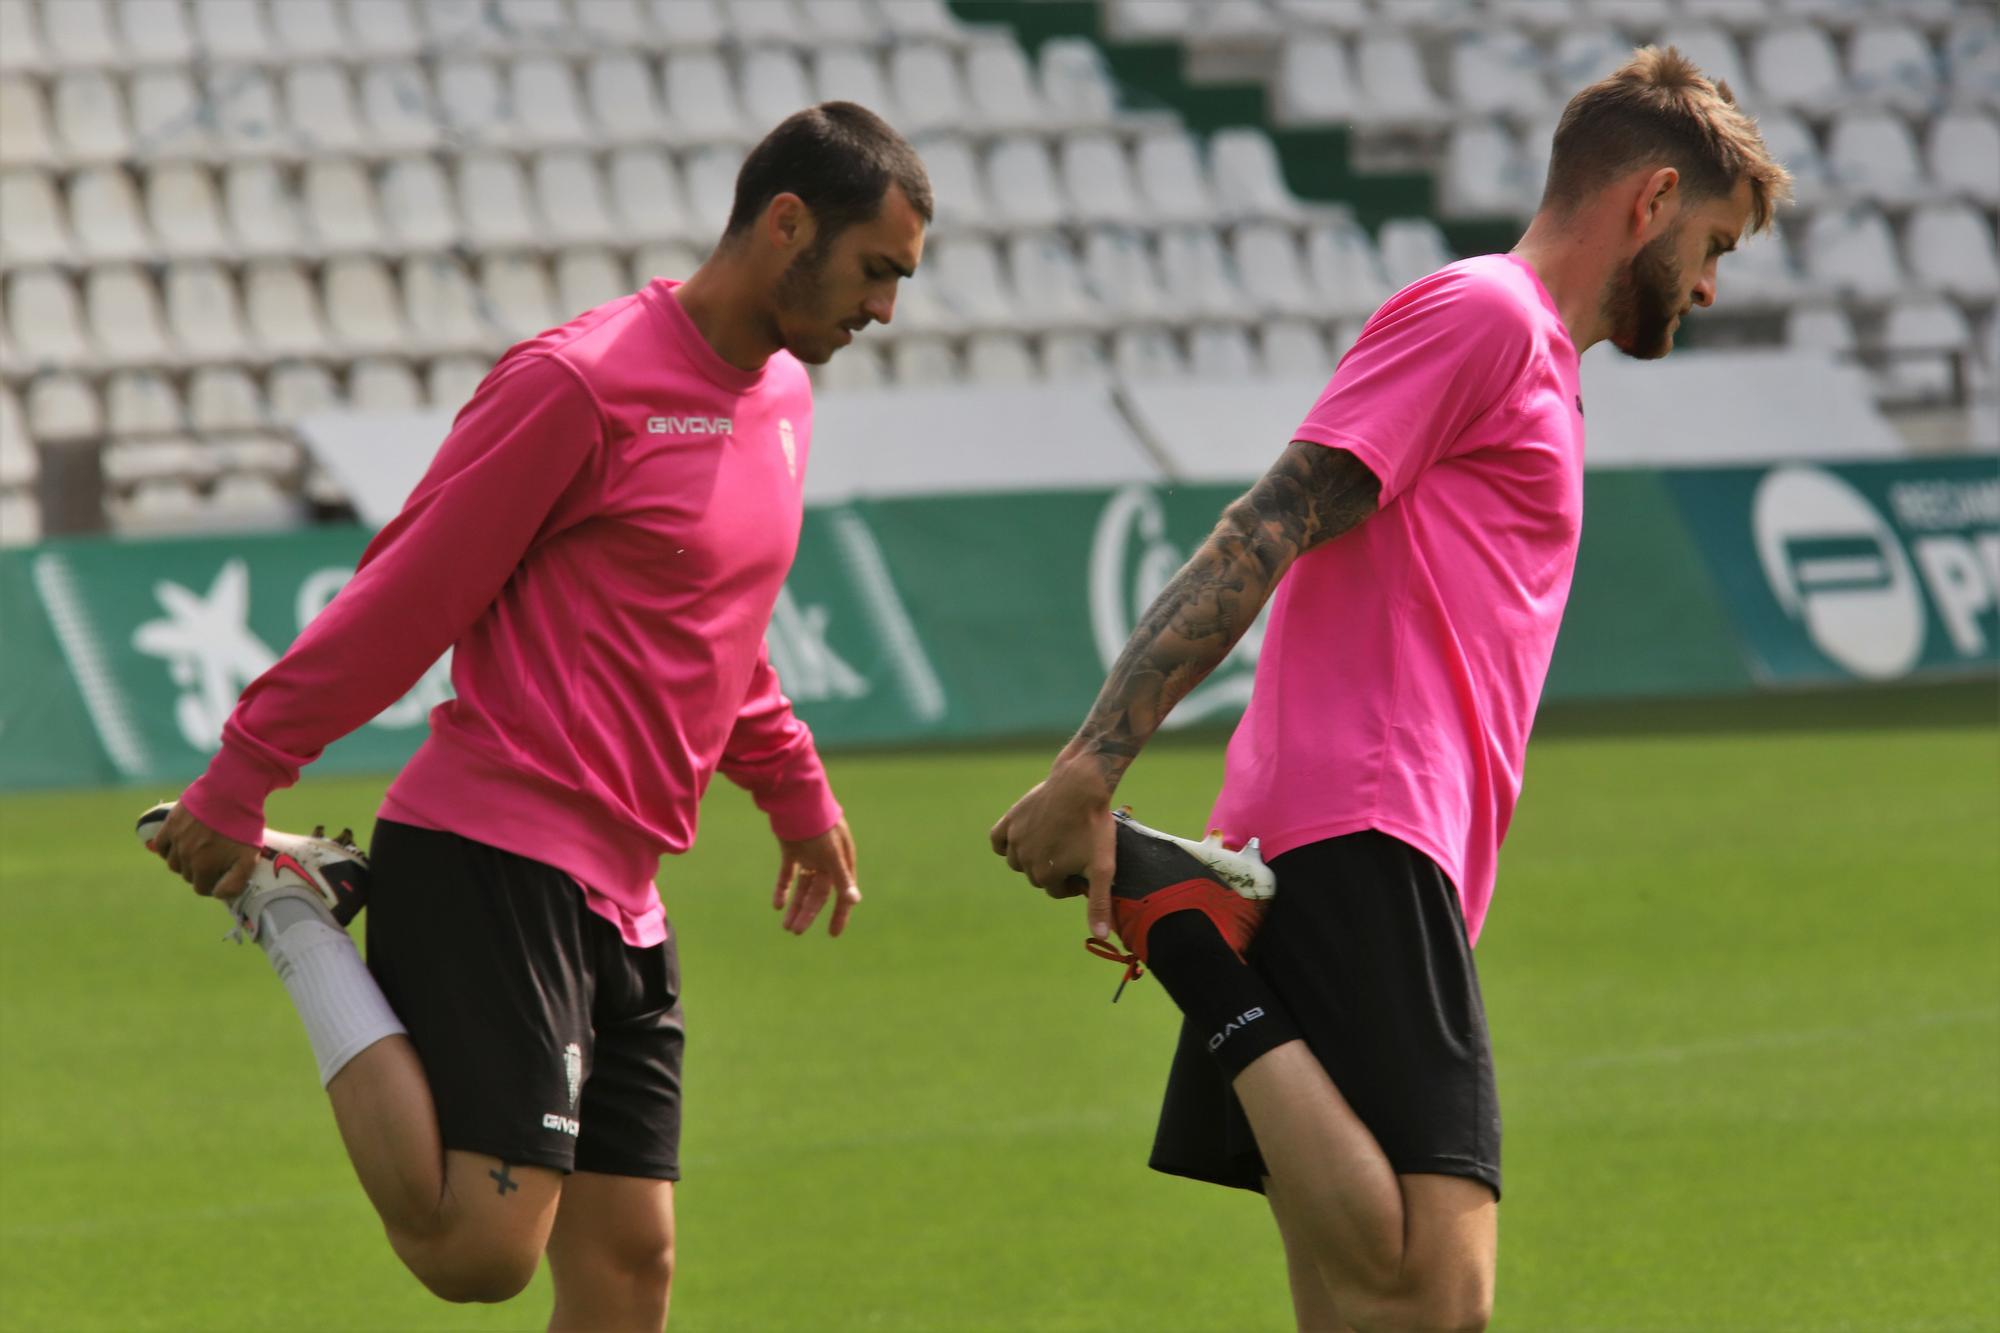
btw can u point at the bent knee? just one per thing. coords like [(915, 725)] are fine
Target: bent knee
[(1460, 1304), (464, 1273)]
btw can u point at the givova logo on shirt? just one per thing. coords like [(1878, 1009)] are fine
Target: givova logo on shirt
[(690, 426)]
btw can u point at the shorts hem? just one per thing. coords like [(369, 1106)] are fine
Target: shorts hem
[(515, 1156), (1466, 1168), (1252, 1181), (638, 1170)]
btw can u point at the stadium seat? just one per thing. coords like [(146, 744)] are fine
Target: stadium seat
[(1097, 178), (142, 402), (925, 81), (1497, 72), (1716, 52), (105, 213), (80, 34), (923, 308), (1583, 55), (1172, 180), (261, 210), (701, 100), (24, 124), (362, 307), (1738, 16), (1413, 248), (967, 274), (543, 103), (1972, 60), (1871, 155), (493, 200), (224, 400), (21, 38), (20, 519), (161, 506), (461, 25), (828, 22), (1267, 260), (472, 102), (340, 204), (646, 195), (1000, 358), (450, 382), (170, 117), (1021, 184), (1923, 339), (184, 212), (1249, 182), (1293, 347), (203, 311), (1232, 24), (302, 389), (1048, 278), (958, 194), (1849, 252), (774, 86), (540, 23), (309, 30), (1964, 155), (244, 108), (693, 25), (229, 30), (1076, 84), (853, 74), (90, 117), (63, 407), (155, 34), (570, 196), (1542, 17), (624, 99), (671, 259), (1950, 249), (1394, 88), (1346, 269), (383, 29), (19, 463), (1314, 83), (1791, 142), (1075, 358), (854, 368), (1147, 356), (711, 190), (1798, 69), (283, 305), (383, 384), (1004, 95), (1222, 354), (1761, 273), (125, 320), (920, 21), (320, 108), (1483, 173), (763, 23), (586, 278), (44, 317), (396, 100), (1315, 16), (241, 503), (925, 361), (518, 295), (1200, 282), (32, 230), (130, 465), (442, 307), (1891, 65)]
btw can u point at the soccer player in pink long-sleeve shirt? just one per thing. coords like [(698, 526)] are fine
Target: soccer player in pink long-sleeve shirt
[(1424, 520), (600, 540)]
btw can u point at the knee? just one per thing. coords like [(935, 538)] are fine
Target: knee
[(464, 1273), (646, 1266), (1460, 1303)]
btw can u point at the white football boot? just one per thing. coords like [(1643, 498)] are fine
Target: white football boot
[(329, 874)]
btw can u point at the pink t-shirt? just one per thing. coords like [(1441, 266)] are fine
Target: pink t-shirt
[(601, 539), (1403, 660)]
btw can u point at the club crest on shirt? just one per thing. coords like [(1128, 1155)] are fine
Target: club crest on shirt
[(573, 1072), (789, 445)]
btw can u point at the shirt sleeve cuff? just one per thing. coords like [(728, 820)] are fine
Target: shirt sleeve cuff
[(803, 811), (229, 797)]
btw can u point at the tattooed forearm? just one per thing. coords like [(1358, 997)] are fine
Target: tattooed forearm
[(1311, 495)]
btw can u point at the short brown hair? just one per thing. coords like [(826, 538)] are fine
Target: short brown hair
[(1659, 110), (840, 159)]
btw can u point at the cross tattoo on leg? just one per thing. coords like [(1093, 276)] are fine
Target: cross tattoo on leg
[(507, 1182)]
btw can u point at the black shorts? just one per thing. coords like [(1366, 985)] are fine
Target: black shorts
[(545, 1037), (1365, 946)]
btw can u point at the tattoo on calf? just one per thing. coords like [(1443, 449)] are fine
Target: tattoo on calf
[(1311, 495), (507, 1182)]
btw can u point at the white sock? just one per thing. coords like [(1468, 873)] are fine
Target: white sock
[(344, 1010)]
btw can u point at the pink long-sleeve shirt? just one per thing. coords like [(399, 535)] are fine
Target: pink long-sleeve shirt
[(600, 539)]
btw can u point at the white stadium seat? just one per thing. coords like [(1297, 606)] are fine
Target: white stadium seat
[(920, 20), (320, 108), (24, 124), (105, 212), (283, 305), (493, 201), (1797, 68), (1413, 248), (1743, 16), (858, 367), (1293, 347), (384, 384), (624, 98), (967, 274), (1049, 280), (1583, 55), (231, 30), (957, 192), (1173, 181), (1314, 83), (90, 117), (1394, 88), (1076, 84), (1761, 273), (80, 34), (443, 307), (1497, 72), (689, 24), (452, 379), (925, 81), (1222, 354), (63, 407), (1964, 155), (647, 198), (1793, 143), (261, 210), (1871, 155), (1097, 177), (361, 305), (544, 104), (396, 99), (1233, 24), (19, 463), (155, 34), (1124, 276), (570, 196), (1147, 356), (1718, 55), (1537, 16), (302, 389), (541, 23), (1850, 252), (754, 23), (143, 402), (1249, 182), (460, 25), (1201, 283), (1267, 260), (853, 74), (831, 21), (44, 317), (774, 86), (1972, 59), (21, 38), (244, 107), (1342, 16), (340, 204), (1004, 95), (925, 361), (383, 28), (472, 101), (518, 295), (1484, 173), (701, 100), (309, 30), (1346, 268), (1924, 337), (185, 212), (1075, 358), (203, 311), (1021, 183), (586, 279), (125, 319), (170, 116), (32, 229), (224, 400), (1892, 65), (1949, 248), (711, 190), (1000, 358)]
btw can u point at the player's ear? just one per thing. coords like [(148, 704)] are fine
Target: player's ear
[(1658, 197), (788, 223)]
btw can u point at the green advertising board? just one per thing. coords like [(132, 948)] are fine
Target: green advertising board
[(963, 617)]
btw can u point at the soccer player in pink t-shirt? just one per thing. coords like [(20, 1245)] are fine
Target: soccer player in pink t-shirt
[(1415, 541), (600, 541)]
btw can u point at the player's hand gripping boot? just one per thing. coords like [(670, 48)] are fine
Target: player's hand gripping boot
[(329, 873), (1158, 873)]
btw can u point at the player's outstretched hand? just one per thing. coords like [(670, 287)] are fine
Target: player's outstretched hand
[(1061, 837), (215, 865), (812, 872)]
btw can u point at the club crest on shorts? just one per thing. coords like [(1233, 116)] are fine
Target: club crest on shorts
[(573, 1072), (789, 445)]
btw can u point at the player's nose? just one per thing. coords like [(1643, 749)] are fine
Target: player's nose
[(880, 308)]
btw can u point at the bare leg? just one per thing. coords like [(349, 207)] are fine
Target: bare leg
[(612, 1254), (1312, 1300), (471, 1227), (1415, 1251)]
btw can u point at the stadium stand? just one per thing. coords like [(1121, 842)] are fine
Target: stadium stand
[(219, 217)]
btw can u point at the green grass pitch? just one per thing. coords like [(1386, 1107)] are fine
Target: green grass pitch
[(1745, 988)]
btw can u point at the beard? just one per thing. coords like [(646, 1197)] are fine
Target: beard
[(800, 299), (1641, 303)]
